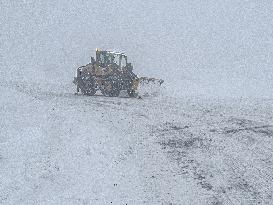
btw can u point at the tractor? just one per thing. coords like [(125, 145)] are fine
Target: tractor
[(110, 72)]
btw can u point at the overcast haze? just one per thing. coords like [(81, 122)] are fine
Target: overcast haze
[(206, 45)]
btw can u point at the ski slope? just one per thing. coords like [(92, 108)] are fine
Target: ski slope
[(60, 148)]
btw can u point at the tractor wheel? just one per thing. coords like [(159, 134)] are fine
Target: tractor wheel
[(88, 87), (110, 89)]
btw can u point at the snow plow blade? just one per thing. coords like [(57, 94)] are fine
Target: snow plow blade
[(148, 86), (146, 80)]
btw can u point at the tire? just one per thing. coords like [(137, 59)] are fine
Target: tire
[(88, 87), (110, 89)]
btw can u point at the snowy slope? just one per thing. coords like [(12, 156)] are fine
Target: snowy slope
[(58, 148), (199, 142)]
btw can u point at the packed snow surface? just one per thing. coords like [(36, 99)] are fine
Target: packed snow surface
[(61, 148)]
